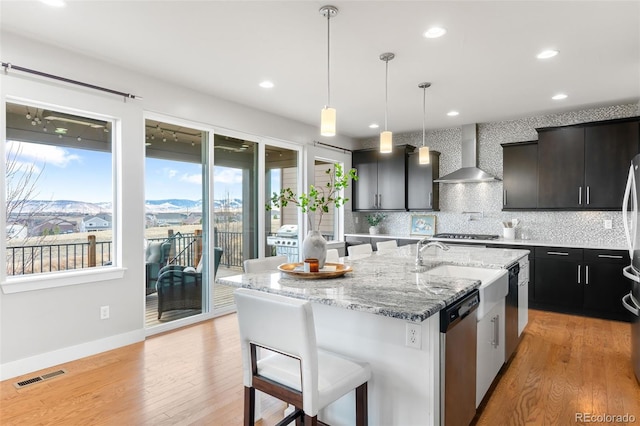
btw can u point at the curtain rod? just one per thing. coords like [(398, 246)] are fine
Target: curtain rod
[(338, 148), (9, 66)]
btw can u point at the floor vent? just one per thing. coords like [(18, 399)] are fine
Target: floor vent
[(39, 379)]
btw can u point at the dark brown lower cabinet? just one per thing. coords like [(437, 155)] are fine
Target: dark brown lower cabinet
[(581, 281)]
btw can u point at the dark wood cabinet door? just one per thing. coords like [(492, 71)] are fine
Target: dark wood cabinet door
[(422, 193), (604, 284), (365, 189), (561, 168), (392, 180), (609, 149), (520, 175), (557, 283)]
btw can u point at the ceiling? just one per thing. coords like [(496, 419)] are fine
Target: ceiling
[(485, 67)]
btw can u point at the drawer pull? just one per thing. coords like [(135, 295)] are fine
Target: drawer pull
[(558, 253), (610, 256)]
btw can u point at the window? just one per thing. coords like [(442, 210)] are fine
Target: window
[(59, 188)]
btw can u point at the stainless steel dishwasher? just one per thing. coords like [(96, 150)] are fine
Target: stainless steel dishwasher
[(458, 348)]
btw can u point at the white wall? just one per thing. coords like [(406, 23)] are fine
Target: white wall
[(42, 328)]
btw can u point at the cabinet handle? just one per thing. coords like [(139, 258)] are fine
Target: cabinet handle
[(504, 197), (579, 195), (610, 256), (379, 201), (588, 194), (558, 253), (496, 331), (431, 199), (586, 275), (579, 274)]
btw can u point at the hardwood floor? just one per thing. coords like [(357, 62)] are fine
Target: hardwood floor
[(563, 366)]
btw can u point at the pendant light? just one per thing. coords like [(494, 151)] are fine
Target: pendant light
[(386, 137), (328, 114), (423, 153)]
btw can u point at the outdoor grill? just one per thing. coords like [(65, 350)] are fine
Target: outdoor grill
[(285, 242)]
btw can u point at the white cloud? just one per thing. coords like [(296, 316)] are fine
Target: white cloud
[(197, 179), (47, 154), (171, 173), (226, 175)]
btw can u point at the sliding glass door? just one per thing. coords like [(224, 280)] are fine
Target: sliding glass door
[(178, 264)]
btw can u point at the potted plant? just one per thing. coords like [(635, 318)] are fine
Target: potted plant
[(375, 220), (315, 203)]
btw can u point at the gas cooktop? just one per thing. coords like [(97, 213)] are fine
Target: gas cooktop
[(467, 236)]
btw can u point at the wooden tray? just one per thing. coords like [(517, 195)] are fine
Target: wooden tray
[(290, 269)]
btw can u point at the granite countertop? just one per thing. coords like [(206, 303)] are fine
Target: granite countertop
[(386, 284), (516, 242)]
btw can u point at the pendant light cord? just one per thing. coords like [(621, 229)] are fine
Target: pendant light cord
[(424, 112), (328, 59), (386, 93)]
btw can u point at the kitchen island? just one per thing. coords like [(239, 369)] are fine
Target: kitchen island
[(365, 314)]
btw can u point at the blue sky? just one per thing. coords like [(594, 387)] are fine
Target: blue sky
[(62, 168)]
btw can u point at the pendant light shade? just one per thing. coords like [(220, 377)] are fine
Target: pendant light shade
[(386, 137), (386, 142), (328, 114), (423, 155), (423, 152)]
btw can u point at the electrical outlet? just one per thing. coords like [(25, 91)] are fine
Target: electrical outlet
[(104, 312), (356, 219), (413, 338), (608, 224)]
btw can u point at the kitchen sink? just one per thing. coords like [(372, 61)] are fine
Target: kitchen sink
[(493, 288)]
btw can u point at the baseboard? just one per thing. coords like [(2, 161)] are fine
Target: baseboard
[(72, 353)]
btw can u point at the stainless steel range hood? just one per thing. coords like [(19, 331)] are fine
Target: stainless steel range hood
[(469, 171)]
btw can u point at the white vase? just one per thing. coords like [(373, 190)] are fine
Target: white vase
[(373, 230), (314, 246)]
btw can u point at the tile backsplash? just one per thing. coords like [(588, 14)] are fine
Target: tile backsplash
[(582, 227)]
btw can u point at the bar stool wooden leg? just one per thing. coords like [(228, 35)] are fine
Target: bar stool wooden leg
[(249, 406), (362, 415)]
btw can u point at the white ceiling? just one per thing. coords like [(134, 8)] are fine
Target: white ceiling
[(485, 67)]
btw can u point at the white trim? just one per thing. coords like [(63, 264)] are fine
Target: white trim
[(71, 353), (61, 279)]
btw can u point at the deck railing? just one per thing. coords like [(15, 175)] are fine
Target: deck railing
[(186, 250)]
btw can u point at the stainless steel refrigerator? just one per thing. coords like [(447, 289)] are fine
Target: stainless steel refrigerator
[(631, 301)]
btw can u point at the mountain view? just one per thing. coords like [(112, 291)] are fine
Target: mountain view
[(68, 207)]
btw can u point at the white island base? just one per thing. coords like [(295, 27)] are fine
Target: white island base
[(405, 385)]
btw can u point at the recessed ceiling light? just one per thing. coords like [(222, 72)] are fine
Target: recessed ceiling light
[(54, 3), (546, 54), (453, 113), (559, 97), (374, 126), (266, 84), (435, 32)]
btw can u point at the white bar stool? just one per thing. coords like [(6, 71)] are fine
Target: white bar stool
[(295, 370), (265, 264), (359, 251)]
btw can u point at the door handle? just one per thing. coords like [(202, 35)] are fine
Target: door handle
[(586, 274), (579, 195), (579, 274)]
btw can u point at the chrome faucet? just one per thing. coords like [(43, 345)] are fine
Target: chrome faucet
[(419, 248)]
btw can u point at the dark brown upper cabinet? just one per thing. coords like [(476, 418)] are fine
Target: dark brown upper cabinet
[(382, 179), (584, 167), (422, 193), (520, 175)]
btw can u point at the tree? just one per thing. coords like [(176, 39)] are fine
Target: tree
[(21, 181)]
